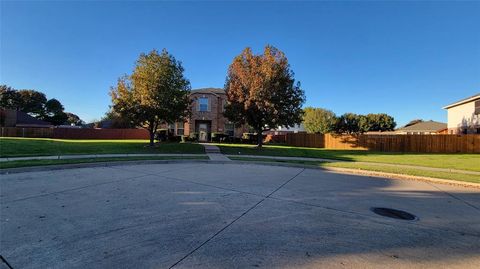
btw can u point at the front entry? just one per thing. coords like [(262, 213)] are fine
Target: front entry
[(202, 132)]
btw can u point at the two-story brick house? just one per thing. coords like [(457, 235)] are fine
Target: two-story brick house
[(207, 116)]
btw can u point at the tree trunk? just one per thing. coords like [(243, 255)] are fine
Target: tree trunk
[(152, 137), (259, 139)]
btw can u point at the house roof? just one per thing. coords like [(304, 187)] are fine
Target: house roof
[(463, 101), (425, 126), (209, 90), (23, 119)]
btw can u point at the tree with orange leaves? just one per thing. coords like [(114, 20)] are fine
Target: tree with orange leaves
[(262, 92)]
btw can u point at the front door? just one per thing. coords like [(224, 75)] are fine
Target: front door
[(202, 132)]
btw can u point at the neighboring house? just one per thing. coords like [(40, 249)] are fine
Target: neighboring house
[(207, 116), (424, 127), (464, 116), (15, 118)]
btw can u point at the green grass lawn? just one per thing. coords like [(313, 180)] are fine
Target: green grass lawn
[(376, 168), (451, 161), (16, 147), (16, 164)]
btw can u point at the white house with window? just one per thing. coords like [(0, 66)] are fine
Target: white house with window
[(464, 116)]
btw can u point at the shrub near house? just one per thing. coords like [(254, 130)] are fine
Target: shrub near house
[(206, 119)]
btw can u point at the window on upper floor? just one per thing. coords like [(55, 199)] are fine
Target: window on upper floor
[(477, 107), (203, 104)]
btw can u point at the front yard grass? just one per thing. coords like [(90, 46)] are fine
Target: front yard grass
[(451, 161), (376, 168), (27, 163), (20, 147)]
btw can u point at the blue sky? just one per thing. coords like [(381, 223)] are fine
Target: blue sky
[(407, 59)]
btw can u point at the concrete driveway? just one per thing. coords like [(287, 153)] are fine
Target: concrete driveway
[(199, 215)]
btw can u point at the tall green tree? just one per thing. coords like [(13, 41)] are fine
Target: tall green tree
[(156, 92), (348, 123), (352, 123), (381, 122), (32, 102), (262, 92), (54, 112), (73, 119), (9, 97), (318, 120)]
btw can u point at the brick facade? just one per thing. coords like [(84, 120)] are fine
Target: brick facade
[(207, 111)]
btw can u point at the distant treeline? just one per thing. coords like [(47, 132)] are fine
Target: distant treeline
[(36, 104), (319, 120)]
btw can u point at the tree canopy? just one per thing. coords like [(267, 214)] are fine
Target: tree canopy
[(34, 103), (318, 120), (348, 123), (262, 92), (156, 92), (353, 123), (73, 119)]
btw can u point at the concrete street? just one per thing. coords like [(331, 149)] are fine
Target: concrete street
[(200, 215)]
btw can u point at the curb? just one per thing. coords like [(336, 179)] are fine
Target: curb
[(376, 174), (84, 156), (426, 168), (54, 167), (328, 169), (404, 177)]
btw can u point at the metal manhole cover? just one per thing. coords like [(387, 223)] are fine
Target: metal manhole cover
[(393, 213)]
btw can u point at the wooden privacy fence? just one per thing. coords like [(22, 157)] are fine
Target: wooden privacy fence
[(26, 132), (73, 133), (276, 139), (389, 143)]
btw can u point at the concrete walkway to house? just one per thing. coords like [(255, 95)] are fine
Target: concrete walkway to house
[(213, 152)]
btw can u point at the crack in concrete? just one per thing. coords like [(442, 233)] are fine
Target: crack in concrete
[(376, 219), (72, 189), (236, 219), (88, 186), (5, 262), (454, 197)]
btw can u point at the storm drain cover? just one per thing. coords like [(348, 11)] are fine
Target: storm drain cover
[(393, 213)]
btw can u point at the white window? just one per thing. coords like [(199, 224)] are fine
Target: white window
[(203, 104), (180, 128)]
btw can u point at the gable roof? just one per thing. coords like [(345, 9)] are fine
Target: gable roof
[(23, 119), (463, 101), (209, 90), (425, 126)]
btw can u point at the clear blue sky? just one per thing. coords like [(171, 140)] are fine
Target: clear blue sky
[(407, 59)]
